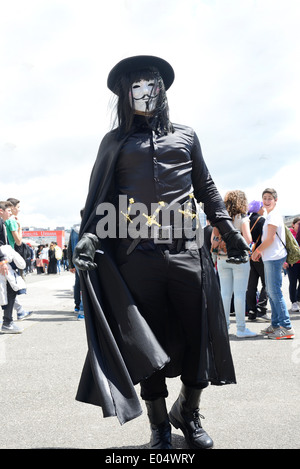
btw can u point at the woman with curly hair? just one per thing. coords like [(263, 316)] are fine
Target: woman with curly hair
[(236, 203), (234, 276)]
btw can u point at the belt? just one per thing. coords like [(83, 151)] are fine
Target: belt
[(173, 238)]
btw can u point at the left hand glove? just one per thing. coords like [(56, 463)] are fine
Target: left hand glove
[(84, 252), (237, 248)]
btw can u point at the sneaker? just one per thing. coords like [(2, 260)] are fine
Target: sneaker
[(11, 328), (295, 307), (269, 330), (245, 333), (80, 316), (264, 317), (76, 309), (251, 315), (24, 315), (282, 333)]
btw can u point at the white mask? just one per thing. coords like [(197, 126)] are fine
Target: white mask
[(143, 95)]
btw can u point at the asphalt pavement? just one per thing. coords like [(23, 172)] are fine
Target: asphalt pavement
[(40, 371)]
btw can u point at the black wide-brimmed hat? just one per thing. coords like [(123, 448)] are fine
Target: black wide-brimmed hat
[(139, 62)]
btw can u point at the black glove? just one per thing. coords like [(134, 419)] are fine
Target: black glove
[(84, 252), (237, 248)]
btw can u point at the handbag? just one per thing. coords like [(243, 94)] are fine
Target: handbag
[(39, 262), (291, 246)]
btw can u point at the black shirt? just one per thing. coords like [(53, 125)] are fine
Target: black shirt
[(154, 168), (3, 239)]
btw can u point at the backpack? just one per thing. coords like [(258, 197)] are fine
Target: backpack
[(58, 253), (291, 246)]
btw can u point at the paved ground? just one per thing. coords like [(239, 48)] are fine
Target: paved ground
[(40, 370)]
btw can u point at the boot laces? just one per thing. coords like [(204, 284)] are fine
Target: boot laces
[(196, 419)]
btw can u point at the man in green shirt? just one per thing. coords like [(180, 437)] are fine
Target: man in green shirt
[(13, 230)]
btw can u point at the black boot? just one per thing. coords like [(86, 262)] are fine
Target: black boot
[(159, 423), (185, 415)]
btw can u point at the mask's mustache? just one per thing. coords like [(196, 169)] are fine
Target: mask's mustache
[(146, 96)]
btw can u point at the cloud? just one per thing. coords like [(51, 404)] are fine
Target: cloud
[(284, 182)]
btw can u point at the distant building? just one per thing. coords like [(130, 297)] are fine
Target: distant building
[(42, 236)]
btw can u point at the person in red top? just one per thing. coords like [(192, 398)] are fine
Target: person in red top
[(294, 272)]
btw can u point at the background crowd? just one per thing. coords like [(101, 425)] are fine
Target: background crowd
[(263, 228), (48, 259)]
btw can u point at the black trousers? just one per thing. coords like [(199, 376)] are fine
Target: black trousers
[(166, 284), (256, 273), (8, 308), (294, 278)]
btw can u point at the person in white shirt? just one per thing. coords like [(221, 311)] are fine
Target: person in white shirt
[(273, 253), (45, 258)]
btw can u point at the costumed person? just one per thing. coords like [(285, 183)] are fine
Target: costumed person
[(152, 303)]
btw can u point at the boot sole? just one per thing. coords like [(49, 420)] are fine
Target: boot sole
[(291, 336)]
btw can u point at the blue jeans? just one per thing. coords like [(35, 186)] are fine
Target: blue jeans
[(234, 280), (273, 277), (77, 292)]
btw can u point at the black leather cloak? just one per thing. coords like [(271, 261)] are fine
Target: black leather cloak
[(122, 349)]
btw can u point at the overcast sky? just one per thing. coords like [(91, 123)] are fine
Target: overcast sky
[(237, 75)]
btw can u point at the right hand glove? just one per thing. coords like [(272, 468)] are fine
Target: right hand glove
[(84, 252)]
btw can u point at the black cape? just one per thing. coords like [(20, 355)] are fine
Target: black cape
[(122, 350)]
